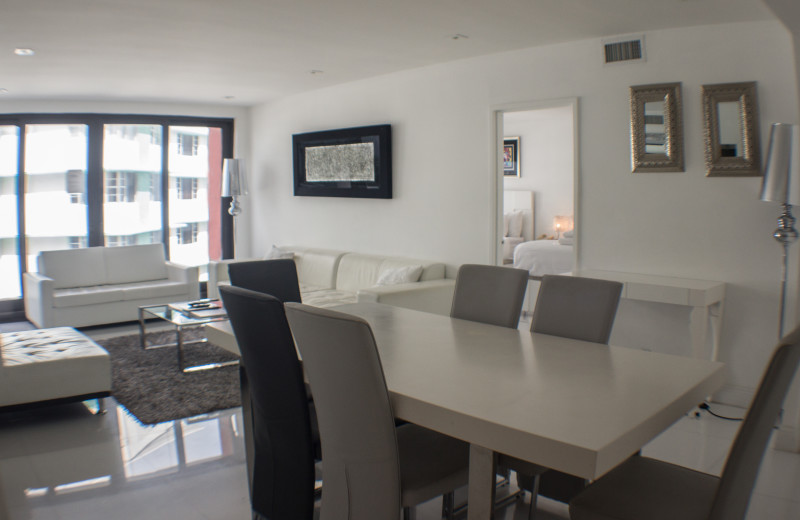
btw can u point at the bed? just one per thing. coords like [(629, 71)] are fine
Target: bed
[(541, 257), (518, 221)]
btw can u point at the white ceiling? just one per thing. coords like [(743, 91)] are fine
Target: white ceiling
[(256, 50)]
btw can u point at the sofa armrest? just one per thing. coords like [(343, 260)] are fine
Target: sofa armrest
[(190, 275), (38, 290), (434, 296)]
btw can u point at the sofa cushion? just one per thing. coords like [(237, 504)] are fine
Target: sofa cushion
[(74, 267), (316, 267), (153, 289), (140, 263), (79, 296), (357, 271), (328, 298)]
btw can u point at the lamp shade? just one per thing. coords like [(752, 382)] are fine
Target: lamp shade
[(234, 182), (782, 169), (562, 223)]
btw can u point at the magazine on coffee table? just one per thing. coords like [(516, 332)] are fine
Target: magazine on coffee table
[(200, 309)]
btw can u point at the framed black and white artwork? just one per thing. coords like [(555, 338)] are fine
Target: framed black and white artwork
[(348, 162)]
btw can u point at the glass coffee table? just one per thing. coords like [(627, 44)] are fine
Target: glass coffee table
[(183, 315)]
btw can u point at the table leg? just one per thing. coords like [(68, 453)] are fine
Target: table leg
[(698, 330), (142, 334), (480, 495), (179, 341)]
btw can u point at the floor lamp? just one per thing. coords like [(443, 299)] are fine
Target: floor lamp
[(234, 185), (782, 184)]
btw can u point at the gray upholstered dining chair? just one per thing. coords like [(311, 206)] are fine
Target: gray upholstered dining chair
[(643, 488), (489, 294), (576, 308), (371, 468), (277, 277)]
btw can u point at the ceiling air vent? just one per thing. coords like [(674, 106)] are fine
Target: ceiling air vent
[(625, 49)]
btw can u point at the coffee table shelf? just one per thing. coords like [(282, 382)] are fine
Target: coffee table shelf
[(179, 315)]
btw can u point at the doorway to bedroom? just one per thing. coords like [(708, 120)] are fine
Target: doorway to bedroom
[(537, 187)]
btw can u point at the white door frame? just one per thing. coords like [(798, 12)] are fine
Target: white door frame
[(496, 169)]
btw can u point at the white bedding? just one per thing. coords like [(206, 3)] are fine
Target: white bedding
[(541, 257)]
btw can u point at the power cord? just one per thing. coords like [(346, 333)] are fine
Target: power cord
[(707, 407)]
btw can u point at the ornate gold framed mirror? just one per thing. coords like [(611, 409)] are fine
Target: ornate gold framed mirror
[(656, 128), (730, 125)]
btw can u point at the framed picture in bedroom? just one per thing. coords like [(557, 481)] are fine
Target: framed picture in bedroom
[(511, 156), (347, 162)]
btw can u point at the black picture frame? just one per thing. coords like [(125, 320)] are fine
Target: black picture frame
[(347, 162), (511, 157)]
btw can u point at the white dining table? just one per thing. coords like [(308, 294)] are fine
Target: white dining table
[(577, 407)]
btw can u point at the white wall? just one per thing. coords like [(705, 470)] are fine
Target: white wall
[(680, 224), (546, 161)]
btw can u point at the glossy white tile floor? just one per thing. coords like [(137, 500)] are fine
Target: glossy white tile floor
[(65, 463)]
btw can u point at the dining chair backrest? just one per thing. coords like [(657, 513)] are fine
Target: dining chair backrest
[(744, 459), (576, 307), (359, 442), (277, 277), (489, 294), (282, 485)]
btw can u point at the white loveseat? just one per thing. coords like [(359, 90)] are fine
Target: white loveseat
[(97, 285), (330, 277)]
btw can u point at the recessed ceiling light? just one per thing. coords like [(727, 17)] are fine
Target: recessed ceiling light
[(459, 37), (21, 51), (227, 97), (315, 72)]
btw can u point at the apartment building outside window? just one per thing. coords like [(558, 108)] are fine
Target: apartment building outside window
[(120, 186), (187, 234), (94, 180), (187, 144), (186, 187)]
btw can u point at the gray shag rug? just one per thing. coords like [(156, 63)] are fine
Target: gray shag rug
[(150, 386)]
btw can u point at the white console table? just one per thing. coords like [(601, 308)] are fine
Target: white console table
[(706, 298)]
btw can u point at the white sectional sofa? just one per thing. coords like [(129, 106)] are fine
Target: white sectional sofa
[(330, 277), (97, 285)]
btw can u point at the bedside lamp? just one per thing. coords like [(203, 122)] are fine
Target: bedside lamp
[(561, 224), (782, 184)]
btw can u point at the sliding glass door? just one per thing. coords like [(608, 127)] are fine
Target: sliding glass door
[(81, 180), (55, 189), (132, 184), (9, 208)]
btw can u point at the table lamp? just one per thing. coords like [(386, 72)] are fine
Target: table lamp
[(561, 223), (782, 184)]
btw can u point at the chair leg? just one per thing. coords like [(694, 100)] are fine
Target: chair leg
[(534, 496), (448, 505), (409, 513), (101, 406)]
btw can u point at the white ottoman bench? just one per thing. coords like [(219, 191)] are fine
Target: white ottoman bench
[(48, 366)]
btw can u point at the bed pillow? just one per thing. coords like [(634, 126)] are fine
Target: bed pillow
[(569, 234), (565, 240), (512, 224), (397, 275), (278, 253)]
